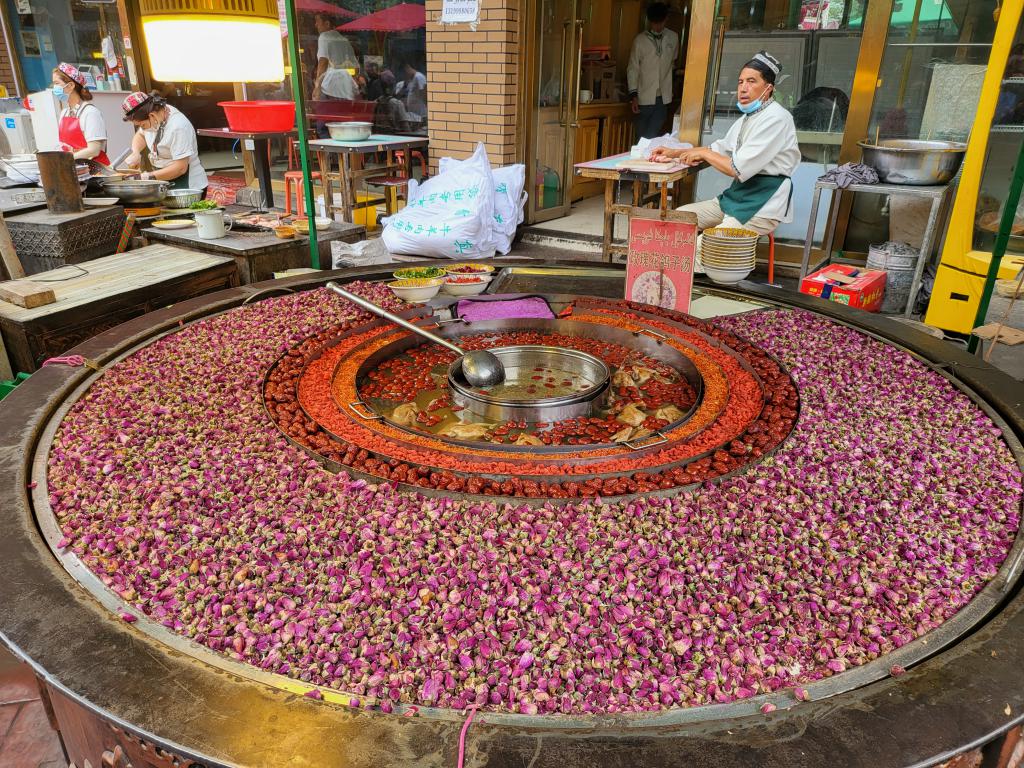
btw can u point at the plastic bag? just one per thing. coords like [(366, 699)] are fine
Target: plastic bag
[(509, 201), (644, 147), (361, 254), (448, 216)]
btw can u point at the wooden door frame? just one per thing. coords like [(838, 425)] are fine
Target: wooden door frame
[(529, 88)]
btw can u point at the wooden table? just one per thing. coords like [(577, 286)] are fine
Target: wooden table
[(350, 154), (607, 168), (258, 255), (112, 290), (260, 150)]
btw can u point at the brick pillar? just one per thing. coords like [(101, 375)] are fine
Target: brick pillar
[(473, 83), (7, 77)]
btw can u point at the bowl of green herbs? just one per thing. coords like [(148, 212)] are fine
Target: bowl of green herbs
[(418, 273)]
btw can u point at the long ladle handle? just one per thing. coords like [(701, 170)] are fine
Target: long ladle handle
[(371, 307)]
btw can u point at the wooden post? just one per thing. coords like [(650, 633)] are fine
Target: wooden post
[(12, 264), (60, 182)]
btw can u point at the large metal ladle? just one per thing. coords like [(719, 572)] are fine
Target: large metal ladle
[(480, 367)]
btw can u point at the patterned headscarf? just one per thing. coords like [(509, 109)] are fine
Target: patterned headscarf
[(72, 71), (133, 101)]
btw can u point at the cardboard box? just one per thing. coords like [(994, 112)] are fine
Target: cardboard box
[(855, 287), (599, 78)]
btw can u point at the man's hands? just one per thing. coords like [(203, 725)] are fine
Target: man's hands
[(694, 156), (634, 104)]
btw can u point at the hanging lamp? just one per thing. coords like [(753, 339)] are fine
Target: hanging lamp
[(213, 41)]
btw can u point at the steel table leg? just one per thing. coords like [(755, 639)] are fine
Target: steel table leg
[(830, 231), (925, 255), (261, 163), (812, 221), (323, 160)]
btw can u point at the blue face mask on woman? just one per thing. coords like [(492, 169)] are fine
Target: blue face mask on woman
[(754, 105), (60, 93)]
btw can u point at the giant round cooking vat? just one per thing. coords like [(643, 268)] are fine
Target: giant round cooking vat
[(136, 692)]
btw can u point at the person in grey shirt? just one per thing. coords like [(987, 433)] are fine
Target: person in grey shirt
[(649, 73)]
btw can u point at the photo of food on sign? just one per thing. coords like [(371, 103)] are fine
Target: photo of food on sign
[(654, 287)]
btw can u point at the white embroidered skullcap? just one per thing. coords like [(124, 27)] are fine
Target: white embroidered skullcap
[(769, 61)]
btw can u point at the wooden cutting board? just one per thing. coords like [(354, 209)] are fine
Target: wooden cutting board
[(26, 293)]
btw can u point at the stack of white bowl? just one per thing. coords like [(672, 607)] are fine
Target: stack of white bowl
[(728, 254)]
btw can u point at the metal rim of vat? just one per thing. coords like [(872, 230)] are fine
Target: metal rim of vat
[(921, 648), (937, 704)]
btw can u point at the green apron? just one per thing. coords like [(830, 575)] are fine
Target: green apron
[(743, 199), (181, 182)]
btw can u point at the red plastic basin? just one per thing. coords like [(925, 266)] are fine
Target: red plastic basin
[(253, 116)]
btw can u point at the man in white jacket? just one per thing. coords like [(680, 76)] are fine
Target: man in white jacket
[(649, 74)]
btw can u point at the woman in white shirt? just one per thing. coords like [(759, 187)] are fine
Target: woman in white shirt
[(82, 127), (760, 154), (170, 139)]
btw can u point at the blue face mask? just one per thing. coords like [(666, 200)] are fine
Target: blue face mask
[(754, 105), (60, 93)]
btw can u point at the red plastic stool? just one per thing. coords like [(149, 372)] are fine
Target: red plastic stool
[(296, 176), (416, 155)]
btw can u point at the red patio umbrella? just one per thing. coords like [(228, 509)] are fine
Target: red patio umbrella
[(398, 18), (328, 9)]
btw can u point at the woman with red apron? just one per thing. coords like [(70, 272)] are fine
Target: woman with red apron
[(82, 129)]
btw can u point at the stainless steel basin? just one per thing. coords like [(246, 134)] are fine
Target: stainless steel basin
[(914, 162)]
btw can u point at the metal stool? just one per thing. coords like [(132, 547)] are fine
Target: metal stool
[(296, 177)]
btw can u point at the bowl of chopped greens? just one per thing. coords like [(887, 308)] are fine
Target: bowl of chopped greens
[(418, 273), (204, 205)]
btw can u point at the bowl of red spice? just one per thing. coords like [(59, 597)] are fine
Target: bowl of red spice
[(465, 285)]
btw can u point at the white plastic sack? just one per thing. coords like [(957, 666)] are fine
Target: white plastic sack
[(448, 216), (644, 147), (361, 254), (509, 201)]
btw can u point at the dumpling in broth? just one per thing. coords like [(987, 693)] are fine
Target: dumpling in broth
[(405, 414)]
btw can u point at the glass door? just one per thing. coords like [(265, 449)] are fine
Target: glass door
[(557, 57)]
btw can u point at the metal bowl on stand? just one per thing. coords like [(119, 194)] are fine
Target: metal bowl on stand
[(584, 382), (182, 198), (137, 191), (914, 162)]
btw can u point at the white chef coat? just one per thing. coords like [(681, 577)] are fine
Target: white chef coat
[(649, 75), (414, 93), (177, 143), (339, 84), (334, 47), (765, 142), (90, 120)]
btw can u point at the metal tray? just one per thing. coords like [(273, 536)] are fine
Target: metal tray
[(591, 281)]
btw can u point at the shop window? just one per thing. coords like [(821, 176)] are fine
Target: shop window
[(1004, 140), (933, 69), (86, 34), (365, 60)]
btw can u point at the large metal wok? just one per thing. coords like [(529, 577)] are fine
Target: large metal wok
[(136, 190)]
